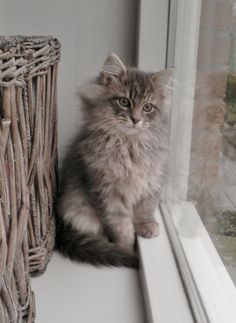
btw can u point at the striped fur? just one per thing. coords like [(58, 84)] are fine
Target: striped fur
[(115, 166)]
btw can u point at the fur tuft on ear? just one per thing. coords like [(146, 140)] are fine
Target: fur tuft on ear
[(162, 77), (163, 80), (113, 66), (90, 92)]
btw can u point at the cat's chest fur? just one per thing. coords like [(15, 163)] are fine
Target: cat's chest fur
[(128, 167)]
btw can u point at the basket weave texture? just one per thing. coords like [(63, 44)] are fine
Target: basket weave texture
[(28, 167)]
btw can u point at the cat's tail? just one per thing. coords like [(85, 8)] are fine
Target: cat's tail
[(85, 248)]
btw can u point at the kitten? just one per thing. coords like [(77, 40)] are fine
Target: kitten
[(113, 172)]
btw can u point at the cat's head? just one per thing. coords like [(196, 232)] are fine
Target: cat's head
[(126, 100)]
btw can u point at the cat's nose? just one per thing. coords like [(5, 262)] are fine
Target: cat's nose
[(135, 120)]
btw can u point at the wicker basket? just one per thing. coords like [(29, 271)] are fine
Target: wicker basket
[(16, 298), (28, 163), (28, 77)]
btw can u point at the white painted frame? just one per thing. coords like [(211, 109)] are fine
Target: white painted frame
[(160, 280), (152, 36), (164, 295), (210, 290), (184, 35)]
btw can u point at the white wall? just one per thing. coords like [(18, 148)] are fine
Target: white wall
[(152, 36), (105, 26), (88, 30)]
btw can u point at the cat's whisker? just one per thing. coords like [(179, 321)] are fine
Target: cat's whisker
[(104, 122), (109, 127), (158, 133)]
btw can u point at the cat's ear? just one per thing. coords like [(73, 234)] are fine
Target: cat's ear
[(90, 92), (163, 79), (113, 67)]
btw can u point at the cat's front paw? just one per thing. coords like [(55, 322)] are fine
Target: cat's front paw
[(148, 230)]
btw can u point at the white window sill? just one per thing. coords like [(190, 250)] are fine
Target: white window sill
[(164, 295), (87, 294), (80, 293), (210, 290)]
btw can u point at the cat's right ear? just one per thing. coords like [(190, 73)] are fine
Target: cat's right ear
[(90, 92), (112, 68), (163, 80)]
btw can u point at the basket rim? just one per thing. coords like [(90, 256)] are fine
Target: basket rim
[(6, 41)]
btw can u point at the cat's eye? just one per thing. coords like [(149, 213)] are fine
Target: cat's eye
[(148, 108), (124, 102)]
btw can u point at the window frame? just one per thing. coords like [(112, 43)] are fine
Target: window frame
[(206, 286)]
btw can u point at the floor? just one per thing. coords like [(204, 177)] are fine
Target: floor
[(227, 197), (225, 236), (79, 293)]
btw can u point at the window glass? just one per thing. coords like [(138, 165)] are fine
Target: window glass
[(212, 161)]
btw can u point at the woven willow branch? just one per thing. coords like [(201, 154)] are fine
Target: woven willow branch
[(28, 167)]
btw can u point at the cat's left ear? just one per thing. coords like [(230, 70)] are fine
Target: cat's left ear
[(113, 67), (163, 79)]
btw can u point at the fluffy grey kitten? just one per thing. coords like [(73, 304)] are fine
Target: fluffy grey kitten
[(113, 172)]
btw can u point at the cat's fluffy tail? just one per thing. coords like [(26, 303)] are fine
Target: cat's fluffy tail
[(82, 247)]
